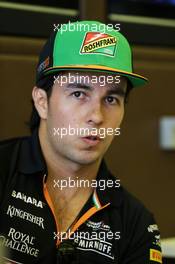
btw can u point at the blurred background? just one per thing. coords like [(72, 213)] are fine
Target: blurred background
[(143, 157)]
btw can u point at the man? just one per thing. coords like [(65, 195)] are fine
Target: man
[(59, 202)]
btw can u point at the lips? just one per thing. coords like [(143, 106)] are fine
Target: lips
[(93, 137), (91, 140)]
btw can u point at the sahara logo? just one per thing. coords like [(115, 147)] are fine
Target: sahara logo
[(98, 43), (27, 199)]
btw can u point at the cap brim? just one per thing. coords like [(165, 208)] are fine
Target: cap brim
[(135, 79)]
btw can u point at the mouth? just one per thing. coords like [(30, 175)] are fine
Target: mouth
[(92, 140)]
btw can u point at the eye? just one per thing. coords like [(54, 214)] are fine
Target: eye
[(112, 100), (78, 94)]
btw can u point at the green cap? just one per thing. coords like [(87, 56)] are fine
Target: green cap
[(88, 45)]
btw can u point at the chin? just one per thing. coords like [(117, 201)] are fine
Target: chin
[(85, 159)]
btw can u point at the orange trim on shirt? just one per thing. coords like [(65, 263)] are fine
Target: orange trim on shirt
[(49, 201), (86, 216)]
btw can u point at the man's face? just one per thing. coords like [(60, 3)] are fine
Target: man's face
[(84, 104)]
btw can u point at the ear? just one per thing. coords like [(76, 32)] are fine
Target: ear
[(40, 101)]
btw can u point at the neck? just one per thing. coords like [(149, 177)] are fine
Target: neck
[(59, 168)]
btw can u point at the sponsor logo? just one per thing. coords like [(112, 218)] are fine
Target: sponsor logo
[(155, 255), (99, 43), (27, 199), (97, 225), (12, 211), (102, 231), (21, 242), (101, 247), (152, 228)]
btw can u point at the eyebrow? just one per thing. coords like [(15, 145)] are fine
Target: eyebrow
[(118, 91), (79, 85), (115, 90)]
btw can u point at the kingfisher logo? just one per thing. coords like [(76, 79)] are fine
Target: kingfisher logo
[(99, 43)]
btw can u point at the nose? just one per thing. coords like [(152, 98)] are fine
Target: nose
[(96, 115)]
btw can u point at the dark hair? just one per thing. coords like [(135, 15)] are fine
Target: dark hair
[(47, 84), (128, 90)]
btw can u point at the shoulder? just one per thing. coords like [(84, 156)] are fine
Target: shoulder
[(9, 149), (132, 204), (139, 231), (127, 202), (137, 220), (134, 215), (8, 145)]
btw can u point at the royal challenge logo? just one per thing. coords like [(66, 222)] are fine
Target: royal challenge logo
[(99, 43)]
